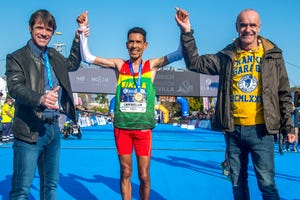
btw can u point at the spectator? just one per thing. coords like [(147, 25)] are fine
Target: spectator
[(1, 127), (7, 115)]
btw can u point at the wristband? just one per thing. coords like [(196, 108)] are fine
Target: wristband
[(176, 55), (83, 28), (84, 50)]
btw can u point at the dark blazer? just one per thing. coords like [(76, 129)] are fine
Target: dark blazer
[(25, 82)]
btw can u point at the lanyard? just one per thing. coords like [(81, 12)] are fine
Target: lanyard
[(48, 69), (137, 82)]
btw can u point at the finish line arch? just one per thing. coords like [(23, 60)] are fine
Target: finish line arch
[(165, 112), (167, 82), (184, 106)]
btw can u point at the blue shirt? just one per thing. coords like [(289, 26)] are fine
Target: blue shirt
[(48, 113)]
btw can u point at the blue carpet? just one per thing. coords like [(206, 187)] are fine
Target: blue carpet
[(185, 165)]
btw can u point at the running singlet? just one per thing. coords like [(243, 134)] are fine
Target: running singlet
[(132, 112)]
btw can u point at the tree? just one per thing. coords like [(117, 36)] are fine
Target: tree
[(85, 98), (101, 99), (195, 103), (173, 108)]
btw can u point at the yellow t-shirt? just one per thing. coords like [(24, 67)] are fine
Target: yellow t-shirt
[(247, 88), (7, 109)]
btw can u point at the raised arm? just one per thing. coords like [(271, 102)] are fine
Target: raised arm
[(86, 55), (174, 56), (205, 64), (183, 21)]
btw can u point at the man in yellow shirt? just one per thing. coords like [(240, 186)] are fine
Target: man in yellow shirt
[(254, 102), (1, 95), (7, 115)]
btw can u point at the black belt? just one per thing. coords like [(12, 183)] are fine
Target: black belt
[(50, 120)]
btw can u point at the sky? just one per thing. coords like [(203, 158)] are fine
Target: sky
[(212, 20)]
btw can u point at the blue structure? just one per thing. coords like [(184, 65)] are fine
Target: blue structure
[(112, 105), (184, 106)]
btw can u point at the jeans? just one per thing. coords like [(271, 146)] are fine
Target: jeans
[(45, 155), (6, 127), (260, 145)]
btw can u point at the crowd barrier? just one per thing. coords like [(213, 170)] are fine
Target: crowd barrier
[(92, 121), (205, 124), (192, 124), (86, 121)]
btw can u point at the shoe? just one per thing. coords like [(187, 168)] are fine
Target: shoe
[(4, 139), (225, 172), (224, 166), (282, 151), (295, 149)]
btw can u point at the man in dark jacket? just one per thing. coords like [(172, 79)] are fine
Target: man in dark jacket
[(254, 100), (38, 80)]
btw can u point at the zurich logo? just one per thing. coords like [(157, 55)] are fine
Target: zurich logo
[(247, 83)]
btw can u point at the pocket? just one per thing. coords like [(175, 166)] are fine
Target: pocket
[(24, 131)]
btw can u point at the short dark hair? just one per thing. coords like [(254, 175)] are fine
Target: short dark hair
[(8, 98), (45, 16), (137, 30)]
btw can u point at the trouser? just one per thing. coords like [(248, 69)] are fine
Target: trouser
[(45, 155), (260, 145)]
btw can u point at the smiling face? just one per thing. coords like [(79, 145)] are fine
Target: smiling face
[(41, 26), (136, 45), (248, 27), (41, 34)]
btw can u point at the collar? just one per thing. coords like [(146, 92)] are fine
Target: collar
[(258, 48), (36, 51)]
